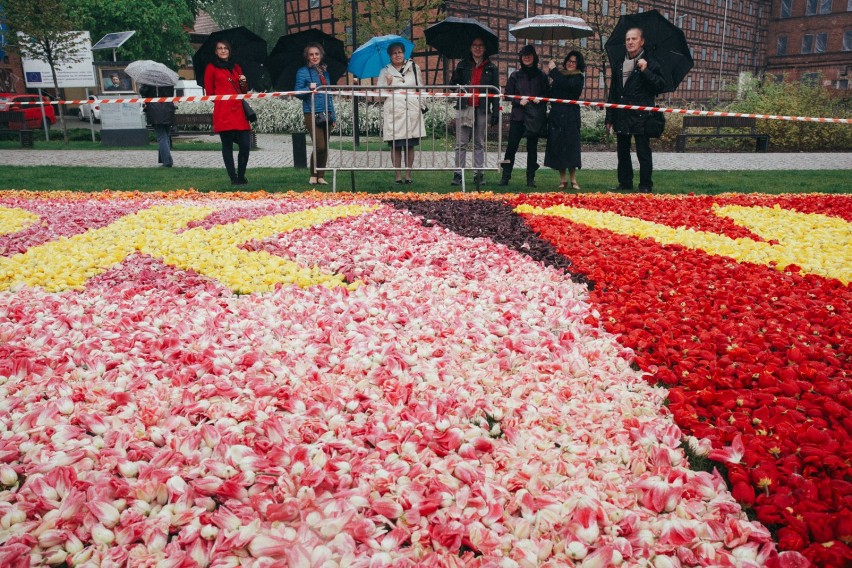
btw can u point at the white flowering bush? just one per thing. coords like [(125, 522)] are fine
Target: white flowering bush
[(284, 115)]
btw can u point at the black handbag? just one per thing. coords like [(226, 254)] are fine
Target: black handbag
[(250, 114), (320, 119), (535, 120)]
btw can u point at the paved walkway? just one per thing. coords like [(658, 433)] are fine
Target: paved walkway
[(276, 151)]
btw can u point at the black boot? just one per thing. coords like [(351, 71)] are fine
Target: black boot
[(507, 175), (242, 164), (531, 176)]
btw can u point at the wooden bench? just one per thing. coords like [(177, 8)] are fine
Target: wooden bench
[(193, 124), (14, 123), (718, 123), (199, 123)]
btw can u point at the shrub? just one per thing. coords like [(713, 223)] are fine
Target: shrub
[(796, 99)]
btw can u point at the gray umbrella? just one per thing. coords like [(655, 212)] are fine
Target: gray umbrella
[(548, 27), (147, 72)]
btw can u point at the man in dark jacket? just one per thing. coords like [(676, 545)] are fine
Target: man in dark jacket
[(161, 116), (636, 81), (476, 111)]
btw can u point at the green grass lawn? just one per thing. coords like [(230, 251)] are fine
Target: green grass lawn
[(275, 180)]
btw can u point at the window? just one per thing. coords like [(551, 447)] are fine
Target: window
[(715, 55), (538, 1), (584, 42), (808, 43), (821, 40), (314, 4), (706, 26), (786, 8), (810, 79), (689, 83), (842, 84), (825, 7), (692, 24), (703, 54), (781, 45), (751, 9), (680, 21), (811, 7), (624, 8), (847, 40), (605, 8), (585, 5), (717, 28), (563, 3)]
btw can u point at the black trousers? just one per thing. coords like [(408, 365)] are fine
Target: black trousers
[(243, 140), (625, 165), (516, 132)]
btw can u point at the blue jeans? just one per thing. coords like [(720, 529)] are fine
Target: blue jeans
[(161, 131)]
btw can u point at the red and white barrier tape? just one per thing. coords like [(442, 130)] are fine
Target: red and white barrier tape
[(430, 94)]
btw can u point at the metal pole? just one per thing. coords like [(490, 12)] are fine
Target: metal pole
[(722, 55), (675, 23), (527, 9), (355, 122), (44, 123)]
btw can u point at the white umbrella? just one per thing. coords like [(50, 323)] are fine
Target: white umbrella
[(147, 72), (550, 27)]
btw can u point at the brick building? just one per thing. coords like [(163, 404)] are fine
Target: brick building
[(727, 37), (811, 40)]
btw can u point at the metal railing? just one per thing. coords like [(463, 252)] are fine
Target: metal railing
[(372, 120)]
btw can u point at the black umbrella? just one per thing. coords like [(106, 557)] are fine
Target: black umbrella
[(286, 57), (248, 50), (453, 36), (664, 41)]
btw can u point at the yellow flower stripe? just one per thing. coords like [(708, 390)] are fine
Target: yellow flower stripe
[(819, 244), (14, 220), (69, 262)]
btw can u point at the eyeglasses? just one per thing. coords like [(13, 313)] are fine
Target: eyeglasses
[(477, 45), (574, 61), (222, 48)]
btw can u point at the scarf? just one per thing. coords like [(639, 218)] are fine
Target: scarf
[(629, 65), (570, 72), (223, 64)]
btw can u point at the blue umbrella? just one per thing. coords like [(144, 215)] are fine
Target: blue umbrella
[(368, 60)]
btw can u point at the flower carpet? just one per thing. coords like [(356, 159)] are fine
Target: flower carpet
[(475, 380)]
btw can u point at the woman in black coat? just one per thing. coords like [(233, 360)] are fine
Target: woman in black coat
[(527, 81), (563, 142)]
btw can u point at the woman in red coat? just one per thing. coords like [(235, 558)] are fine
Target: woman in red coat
[(224, 77)]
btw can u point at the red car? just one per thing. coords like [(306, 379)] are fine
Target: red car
[(32, 112)]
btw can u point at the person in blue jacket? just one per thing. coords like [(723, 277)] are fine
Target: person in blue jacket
[(318, 107)]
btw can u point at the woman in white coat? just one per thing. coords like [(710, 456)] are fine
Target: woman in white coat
[(403, 117)]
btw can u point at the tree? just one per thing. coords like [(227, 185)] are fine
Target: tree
[(602, 16), (50, 33), (160, 26), (266, 18), (382, 17)]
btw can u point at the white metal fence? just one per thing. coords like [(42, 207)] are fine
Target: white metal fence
[(383, 117)]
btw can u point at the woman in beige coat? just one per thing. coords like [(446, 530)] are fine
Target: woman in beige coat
[(403, 116)]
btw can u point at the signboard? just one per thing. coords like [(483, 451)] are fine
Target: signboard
[(122, 116), (78, 73)]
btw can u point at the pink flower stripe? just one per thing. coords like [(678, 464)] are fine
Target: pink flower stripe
[(457, 405)]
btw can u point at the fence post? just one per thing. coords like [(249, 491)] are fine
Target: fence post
[(300, 150)]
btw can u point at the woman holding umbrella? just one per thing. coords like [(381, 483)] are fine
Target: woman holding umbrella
[(318, 108), (224, 77), (473, 112), (403, 117), (563, 142)]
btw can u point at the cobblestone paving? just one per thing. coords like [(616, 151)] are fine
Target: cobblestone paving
[(276, 151)]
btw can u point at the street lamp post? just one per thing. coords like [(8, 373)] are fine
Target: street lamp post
[(722, 55)]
